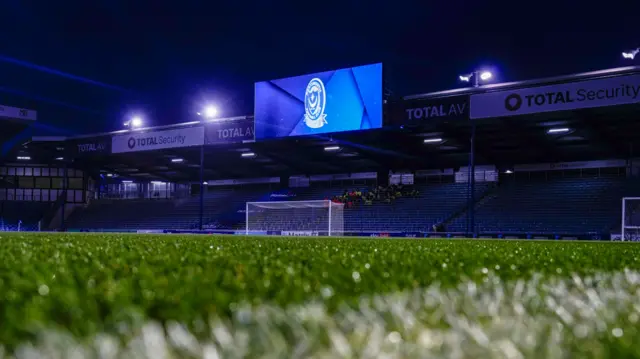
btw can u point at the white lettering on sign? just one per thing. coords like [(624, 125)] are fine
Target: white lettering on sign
[(612, 91), (235, 132), (91, 147), (456, 109), (191, 136)]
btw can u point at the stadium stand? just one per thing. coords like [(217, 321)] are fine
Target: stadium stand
[(224, 209), (513, 205), (435, 204), (565, 205)]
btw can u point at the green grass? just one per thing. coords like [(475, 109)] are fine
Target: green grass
[(85, 286)]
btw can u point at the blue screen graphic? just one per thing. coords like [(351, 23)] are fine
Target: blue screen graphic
[(333, 101)]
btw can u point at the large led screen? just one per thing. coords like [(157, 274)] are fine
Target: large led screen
[(333, 101)]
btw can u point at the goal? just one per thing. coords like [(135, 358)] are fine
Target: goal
[(295, 218), (630, 219)]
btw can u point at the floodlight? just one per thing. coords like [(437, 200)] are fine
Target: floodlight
[(630, 55), (177, 160), (484, 76), (136, 122), (248, 154), (332, 148), (24, 158), (558, 130), (477, 76), (432, 140), (210, 111)]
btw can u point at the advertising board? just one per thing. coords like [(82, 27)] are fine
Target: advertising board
[(229, 131), (602, 92), (425, 110), (157, 140), (89, 146)]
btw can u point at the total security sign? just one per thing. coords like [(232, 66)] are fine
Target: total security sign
[(611, 91), (158, 140), (334, 101)]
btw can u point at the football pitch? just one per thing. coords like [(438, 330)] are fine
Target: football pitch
[(194, 296)]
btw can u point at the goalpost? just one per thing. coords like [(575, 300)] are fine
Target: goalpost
[(295, 218), (630, 229)]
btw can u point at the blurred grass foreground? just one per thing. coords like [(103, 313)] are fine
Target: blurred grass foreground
[(170, 296)]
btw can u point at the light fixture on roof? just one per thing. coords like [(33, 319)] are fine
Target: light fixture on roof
[(432, 140), (209, 112), (558, 130), (59, 158), (332, 148), (630, 55), (23, 158), (205, 183), (157, 182), (248, 154), (476, 76), (177, 160), (508, 172), (134, 122), (109, 174), (127, 181)]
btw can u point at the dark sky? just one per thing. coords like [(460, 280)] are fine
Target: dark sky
[(167, 58)]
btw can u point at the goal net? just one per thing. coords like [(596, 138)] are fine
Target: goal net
[(630, 219), (295, 218)]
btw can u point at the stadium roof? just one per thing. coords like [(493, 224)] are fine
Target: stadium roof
[(595, 133)]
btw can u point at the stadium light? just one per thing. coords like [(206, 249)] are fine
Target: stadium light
[(177, 160), (558, 130), (24, 158), (476, 76), (630, 55), (248, 154), (209, 112), (332, 148), (432, 140), (134, 122)]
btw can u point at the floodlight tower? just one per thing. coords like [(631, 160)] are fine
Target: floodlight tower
[(478, 76), (209, 112)]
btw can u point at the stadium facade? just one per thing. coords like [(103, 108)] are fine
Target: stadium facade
[(549, 158)]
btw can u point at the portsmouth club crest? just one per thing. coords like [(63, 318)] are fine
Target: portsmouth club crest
[(315, 99)]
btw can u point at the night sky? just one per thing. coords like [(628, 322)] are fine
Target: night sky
[(165, 59)]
